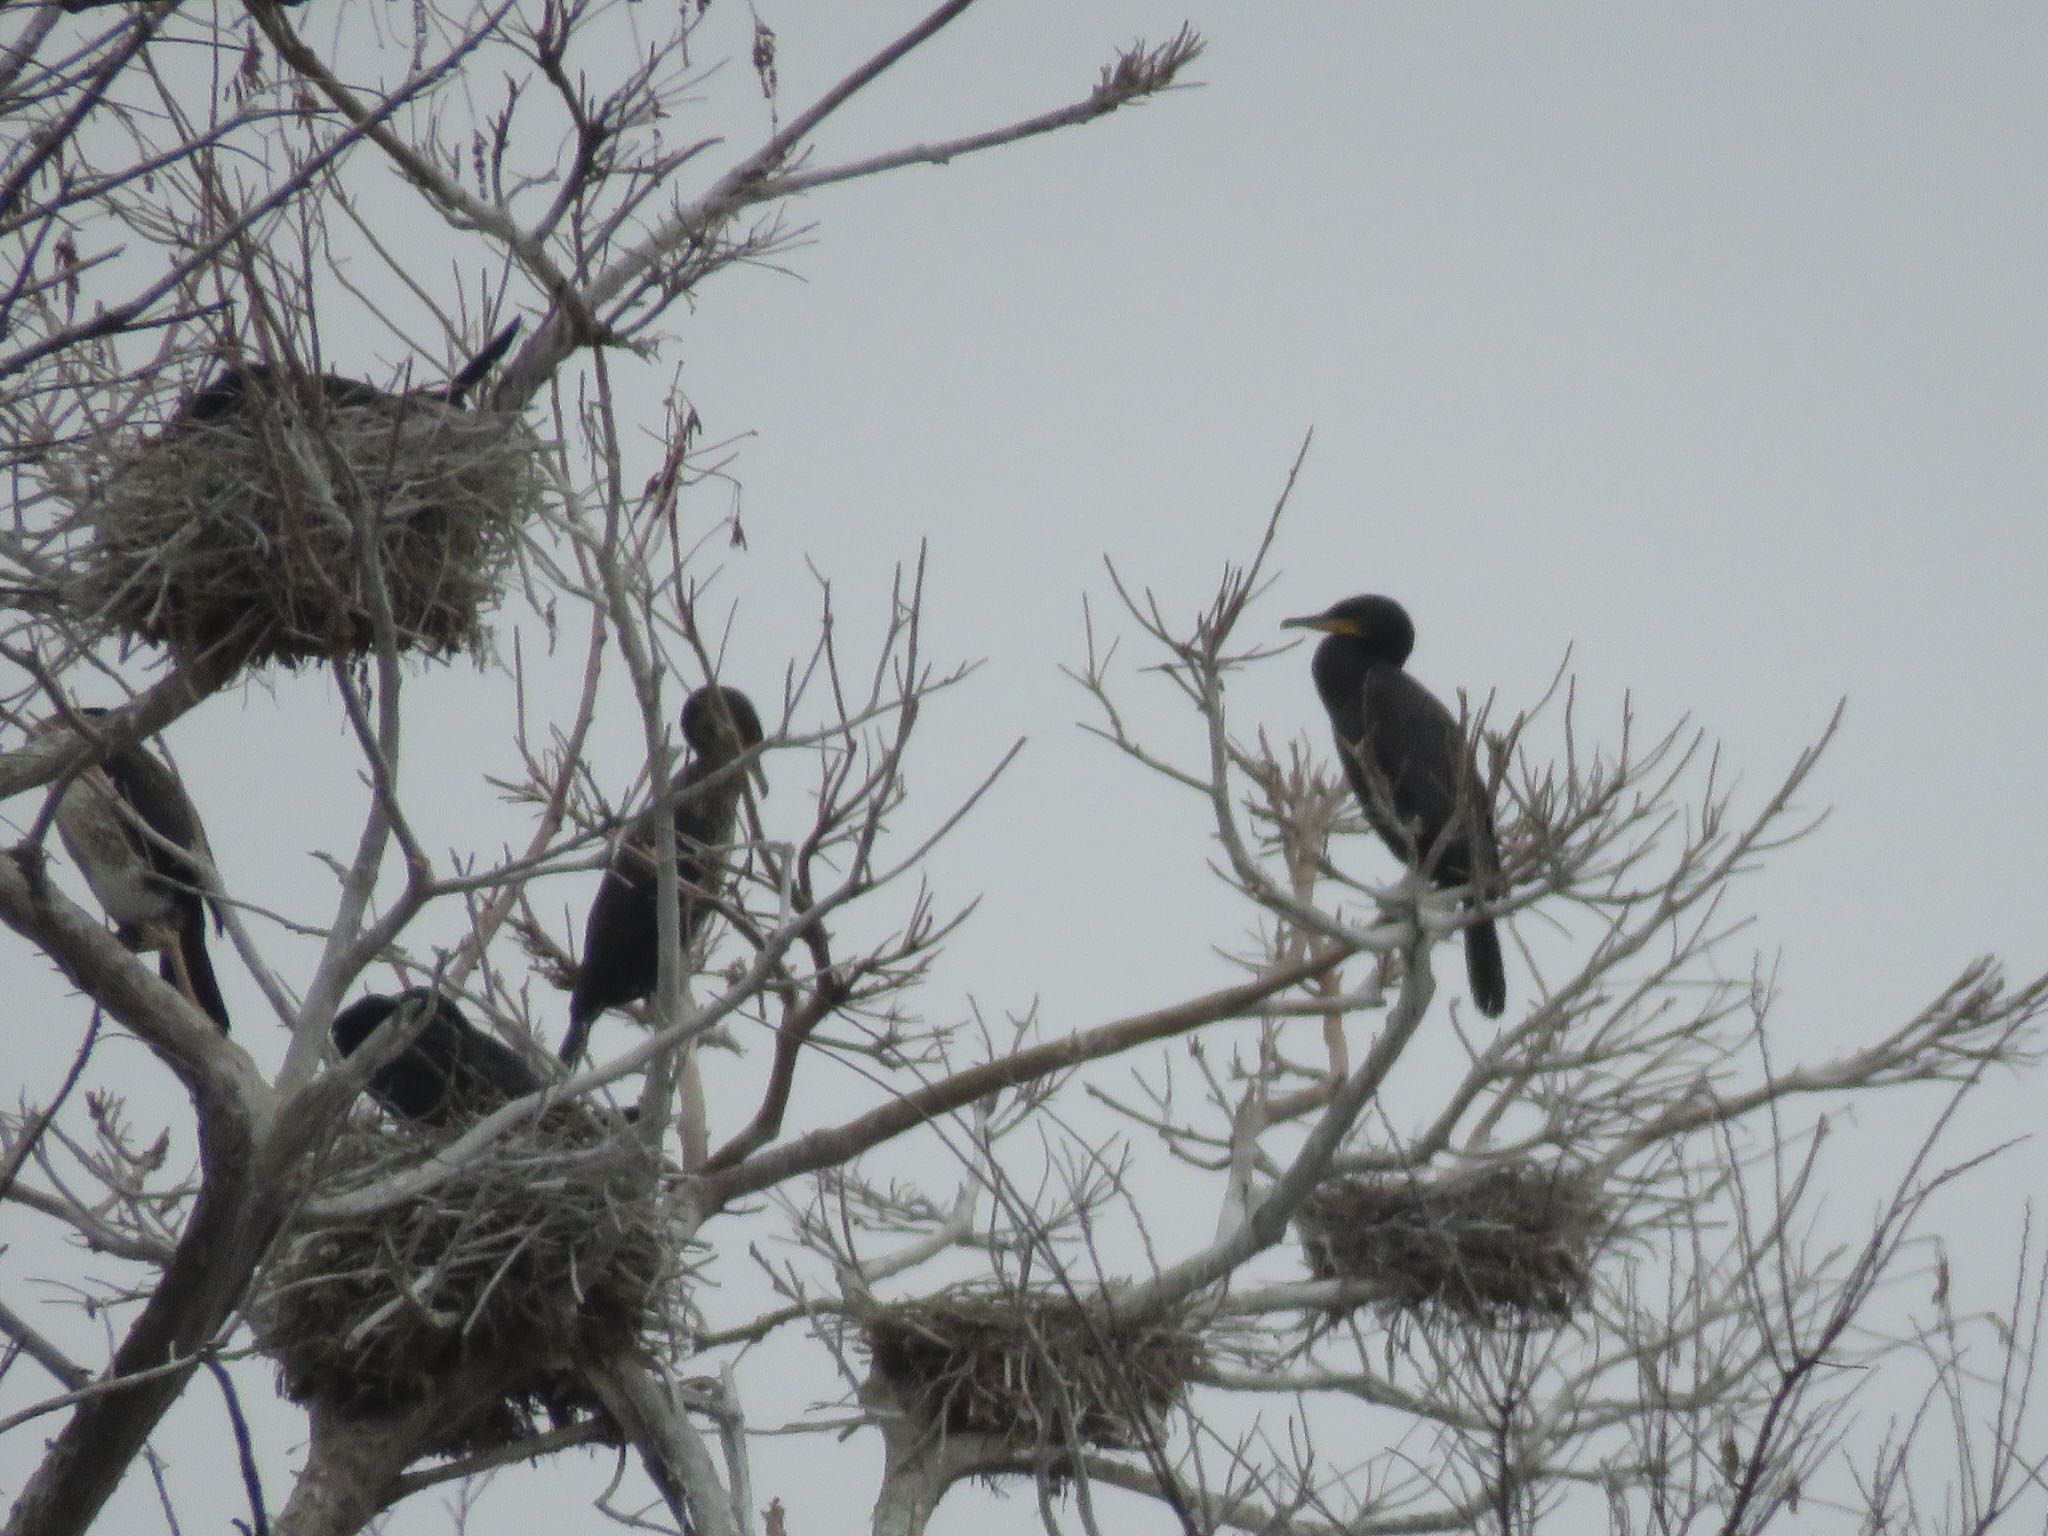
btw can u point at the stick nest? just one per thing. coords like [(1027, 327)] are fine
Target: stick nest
[(1512, 1242), (264, 532), (1031, 1371), (561, 1244)]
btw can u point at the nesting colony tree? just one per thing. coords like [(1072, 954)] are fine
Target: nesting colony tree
[(274, 453)]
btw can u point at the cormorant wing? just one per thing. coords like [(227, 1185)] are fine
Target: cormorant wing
[(1428, 774), (152, 792)]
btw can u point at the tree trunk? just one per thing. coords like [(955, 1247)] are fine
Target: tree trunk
[(355, 1459), (232, 1224)]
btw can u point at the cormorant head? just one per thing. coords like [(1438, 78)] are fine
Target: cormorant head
[(1379, 624), (720, 724), (355, 1023), (226, 394)]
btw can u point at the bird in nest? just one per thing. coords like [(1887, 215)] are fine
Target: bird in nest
[(1411, 768), (451, 1072), (131, 829), (621, 937), (227, 395)]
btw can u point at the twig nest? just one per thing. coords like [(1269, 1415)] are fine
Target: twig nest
[(277, 514), (1029, 1370), (1510, 1242), (561, 1244)]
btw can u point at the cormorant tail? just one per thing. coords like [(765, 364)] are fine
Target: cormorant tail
[(577, 1039), (474, 370), (186, 966), (1483, 965)]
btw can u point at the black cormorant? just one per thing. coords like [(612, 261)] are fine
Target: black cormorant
[(621, 944), (1410, 766), (452, 1072), (135, 837), (225, 394)]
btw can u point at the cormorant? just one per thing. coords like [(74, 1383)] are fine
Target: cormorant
[(621, 944), (133, 833), (225, 394), (1410, 766), (452, 1071), (228, 391)]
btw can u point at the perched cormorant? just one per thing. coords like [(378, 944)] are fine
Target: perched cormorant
[(621, 943), (452, 1071), (1410, 766), (133, 833)]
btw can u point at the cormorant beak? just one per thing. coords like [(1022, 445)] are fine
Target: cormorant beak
[(760, 777), (1322, 622)]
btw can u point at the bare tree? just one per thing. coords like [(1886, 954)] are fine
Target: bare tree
[(1583, 1272)]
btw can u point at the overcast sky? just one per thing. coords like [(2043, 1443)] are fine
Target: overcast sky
[(1708, 344)]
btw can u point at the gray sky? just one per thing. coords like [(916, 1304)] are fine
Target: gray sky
[(1707, 343)]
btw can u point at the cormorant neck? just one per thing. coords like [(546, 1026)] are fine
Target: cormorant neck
[(1340, 665)]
